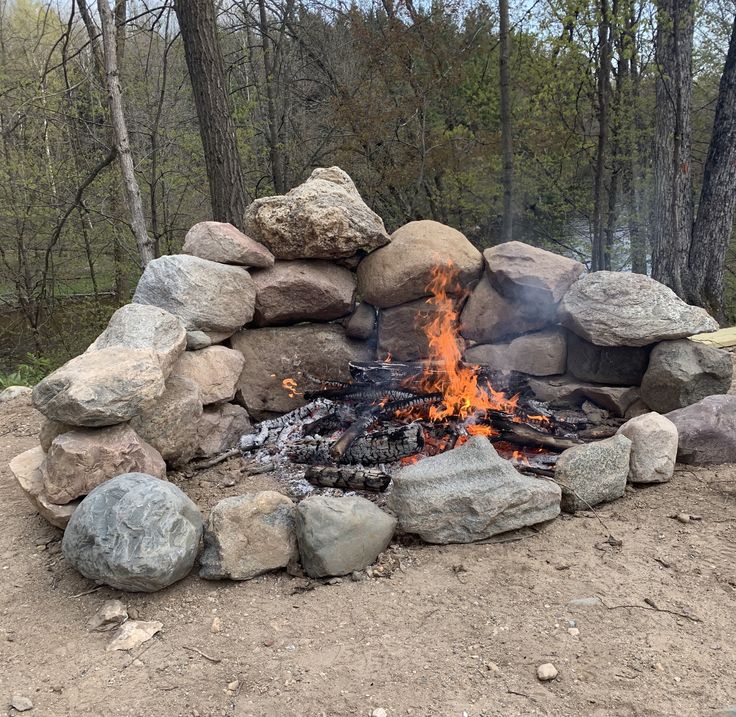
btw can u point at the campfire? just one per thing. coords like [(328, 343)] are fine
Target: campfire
[(351, 435)]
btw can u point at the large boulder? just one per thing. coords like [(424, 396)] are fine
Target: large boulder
[(534, 278), (249, 535), (215, 370), (298, 352), (137, 326), (80, 460), (101, 388), (683, 372), (593, 473), (653, 448), (542, 353), (403, 270), (171, 423), (204, 294), (610, 308), (220, 428), (611, 365), (27, 469), (323, 218), (402, 330), (224, 243), (134, 533), (706, 431), (467, 494), (488, 316), (294, 291), (565, 391), (337, 536)]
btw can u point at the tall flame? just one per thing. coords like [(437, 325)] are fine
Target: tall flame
[(464, 394)]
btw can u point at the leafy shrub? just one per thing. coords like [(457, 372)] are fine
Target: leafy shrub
[(28, 373)]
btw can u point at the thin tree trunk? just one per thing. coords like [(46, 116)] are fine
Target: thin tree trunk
[(717, 208), (672, 199), (506, 130), (216, 127), (131, 191)]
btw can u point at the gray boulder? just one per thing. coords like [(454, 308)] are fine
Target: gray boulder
[(337, 536), (488, 316), (653, 448), (215, 370), (137, 326), (362, 322), (134, 533), (12, 392), (467, 494), (220, 428), (593, 473), (204, 294), (223, 243), (101, 388), (543, 353), (171, 423), (610, 308), (294, 291), (401, 330), (323, 218), (534, 278), (249, 535), (706, 431), (610, 365), (84, 458), (402, 270), (298, 352), (563, 391), (683, 372)]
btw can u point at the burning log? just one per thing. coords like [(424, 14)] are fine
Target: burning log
[(522, 434), (348, 478), (377, 447)]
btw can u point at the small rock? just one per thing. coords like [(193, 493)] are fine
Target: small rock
[(134, 633), (233, 686), (573, 631), (653, 448), (493, 667), (20, 703), (547, 672), (682, 517), (379, 712), (216, 626), (362, 322), (111, 615)]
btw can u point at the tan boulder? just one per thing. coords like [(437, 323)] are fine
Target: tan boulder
[(323, 218), (170, 423), (82, 459), (536, 279), (403, 270), (101, 388), (215, 370), (26, 468), (401, 330), (220, 428), (543, 353), (294, 291), (224, 243), (49, 431), (299, 352)]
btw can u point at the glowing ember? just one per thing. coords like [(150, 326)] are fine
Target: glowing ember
[(465, 396), (291, 386)]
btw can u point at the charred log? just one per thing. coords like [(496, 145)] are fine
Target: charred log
[(348, 478)]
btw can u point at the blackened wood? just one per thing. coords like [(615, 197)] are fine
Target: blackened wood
[(379, 372), (521, 434), (348, 478), (343, 443)]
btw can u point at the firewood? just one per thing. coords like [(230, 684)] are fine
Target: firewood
[(348, 478)]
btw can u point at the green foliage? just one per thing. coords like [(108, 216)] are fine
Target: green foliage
[(27, 373)]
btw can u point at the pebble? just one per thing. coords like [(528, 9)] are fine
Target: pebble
[(20, 703), (233, 686), (683, 517), (573, 631), (216, 625), (493, 667), (547, 672), (379, 712)]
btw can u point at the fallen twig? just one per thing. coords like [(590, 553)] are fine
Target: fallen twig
[(202, 465), (216, 660), (86, 592), (652, 608)]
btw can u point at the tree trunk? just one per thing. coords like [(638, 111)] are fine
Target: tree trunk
[(216, 127), (714, 223), (506, 138), (131, 191), (672, 199)]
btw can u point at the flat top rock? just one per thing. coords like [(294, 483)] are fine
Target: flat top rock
[(403, 270), (222, 242), (611, 308), (323, 218)]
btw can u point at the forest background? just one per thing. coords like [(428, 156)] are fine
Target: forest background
[(541, 122)]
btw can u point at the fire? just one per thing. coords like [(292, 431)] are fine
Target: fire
[(465, 395), (290, 385)]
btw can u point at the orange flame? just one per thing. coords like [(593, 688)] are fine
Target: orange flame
[(290, 385), (463, 394)]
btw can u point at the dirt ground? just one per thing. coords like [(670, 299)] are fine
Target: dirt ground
[(452, 631)]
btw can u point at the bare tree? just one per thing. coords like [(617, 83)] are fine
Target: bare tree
[(506, 136)]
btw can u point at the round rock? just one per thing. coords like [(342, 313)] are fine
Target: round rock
[(134, 533)]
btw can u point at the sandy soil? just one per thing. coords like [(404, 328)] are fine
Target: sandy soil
[(446, 631)]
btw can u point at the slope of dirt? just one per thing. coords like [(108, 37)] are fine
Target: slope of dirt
[(447, 630)]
